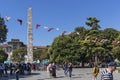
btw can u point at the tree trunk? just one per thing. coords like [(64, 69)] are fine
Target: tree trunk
[(96, 60), (83, 64)]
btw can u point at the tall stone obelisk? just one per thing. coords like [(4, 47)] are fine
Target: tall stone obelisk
[(30, 37)]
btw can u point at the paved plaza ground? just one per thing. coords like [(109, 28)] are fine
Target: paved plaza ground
[(78, 74)]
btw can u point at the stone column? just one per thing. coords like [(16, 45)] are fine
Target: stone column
[(30, 37)]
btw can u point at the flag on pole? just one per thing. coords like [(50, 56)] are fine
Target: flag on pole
[(20, 21), (50, 29), (37, 26)]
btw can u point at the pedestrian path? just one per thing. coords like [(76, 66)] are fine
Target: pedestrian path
[(78, 74)]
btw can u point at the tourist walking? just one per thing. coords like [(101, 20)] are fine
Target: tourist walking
[(12, 67), (1, 71), (65, 68), (70, 69), (17, 70), (107, 74), (28, 67), (54, 70), (6, 68), (49, 69)]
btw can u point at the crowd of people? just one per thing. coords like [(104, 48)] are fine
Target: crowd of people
[(15, 69), (22, 68), (106, 74), (67, 67)]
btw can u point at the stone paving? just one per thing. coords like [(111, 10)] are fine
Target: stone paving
[(78, 74)]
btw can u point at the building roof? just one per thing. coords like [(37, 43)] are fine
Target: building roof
[(5, 45), (39, 47)]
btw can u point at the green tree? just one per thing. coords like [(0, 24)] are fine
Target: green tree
[(81, 31), (19, 54), (110, 34), (86, 45), (3, 30), (40, 54), (85, 51), (37, 54), (93, 23), (107, 45), (45, 54), (63, 50), (3, 55), (98, 53), (116, 48), (116, 52)]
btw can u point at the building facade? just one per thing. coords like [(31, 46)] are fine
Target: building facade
[(16, 44), (12, 45)]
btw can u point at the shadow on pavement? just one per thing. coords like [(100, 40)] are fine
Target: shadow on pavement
[(23, 76), (76, 77), (60, 77), (43, 79), (52, 78)]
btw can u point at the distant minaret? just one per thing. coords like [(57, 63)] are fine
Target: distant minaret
[(30, 37)]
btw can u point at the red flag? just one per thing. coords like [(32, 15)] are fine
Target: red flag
[(20, 21), (37, 26)]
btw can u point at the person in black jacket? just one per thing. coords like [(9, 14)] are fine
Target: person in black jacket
[(54, 70), (70, 69), (17, 70)]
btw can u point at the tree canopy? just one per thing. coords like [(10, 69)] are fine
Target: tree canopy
[(3, 30), (40, 54), (19, 54), (86, 45), (3, 55)]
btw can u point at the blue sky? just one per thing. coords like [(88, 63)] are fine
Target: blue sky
[(63, 14)]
